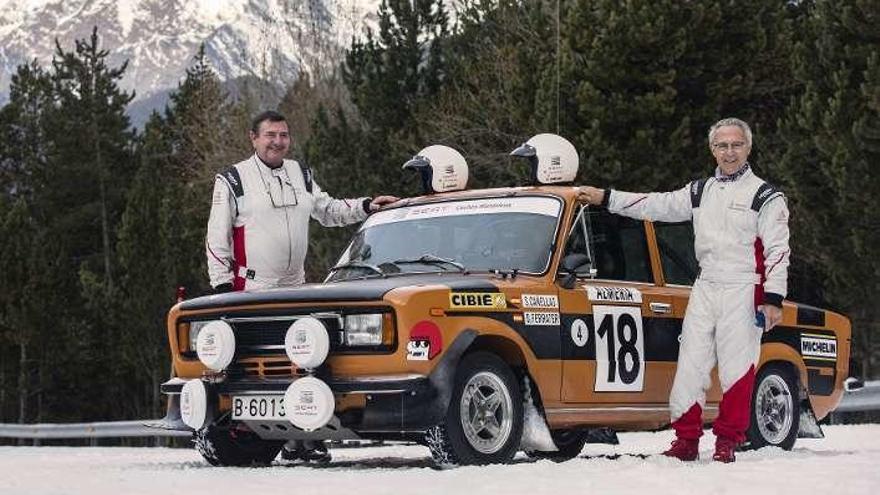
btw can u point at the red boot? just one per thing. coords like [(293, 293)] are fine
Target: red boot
[(724, 450), (684, 449)]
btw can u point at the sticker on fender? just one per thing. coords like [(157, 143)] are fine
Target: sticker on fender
[(477, 300), (541, 319)]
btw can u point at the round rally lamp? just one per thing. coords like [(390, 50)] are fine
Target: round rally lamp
[(194, 404), (307, 343), (552, 159), (441, 168), (309, 403), (215, 345)]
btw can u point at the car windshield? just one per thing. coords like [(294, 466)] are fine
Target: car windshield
[(454, 236)]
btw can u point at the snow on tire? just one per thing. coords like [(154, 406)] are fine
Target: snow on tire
[(484, 421), (228, 447), (775, 417)]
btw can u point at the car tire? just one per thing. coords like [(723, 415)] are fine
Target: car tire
[(570, 443), (775, 417), (484, 421), (233, 447)]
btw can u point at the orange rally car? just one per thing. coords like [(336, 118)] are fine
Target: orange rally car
[(453, 316)]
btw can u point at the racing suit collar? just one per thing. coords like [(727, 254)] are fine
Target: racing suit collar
[(721, 177), (270, 167)]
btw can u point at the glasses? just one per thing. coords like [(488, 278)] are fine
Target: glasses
[(735, 146)]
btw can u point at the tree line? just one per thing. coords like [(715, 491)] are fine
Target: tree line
[(100, 223)]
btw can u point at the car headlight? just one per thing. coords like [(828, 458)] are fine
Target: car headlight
[(364, 329), (194, 328)]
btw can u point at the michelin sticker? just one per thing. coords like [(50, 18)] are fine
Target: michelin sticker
[(549, 301), (541, 319), (614, 294), (477, 300), (816, 346)]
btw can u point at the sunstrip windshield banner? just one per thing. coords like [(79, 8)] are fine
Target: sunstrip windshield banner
[(531, 205)]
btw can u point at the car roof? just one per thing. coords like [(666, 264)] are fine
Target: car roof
[(567, 193)]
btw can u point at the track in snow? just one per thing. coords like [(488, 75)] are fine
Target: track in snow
[(847, 461)]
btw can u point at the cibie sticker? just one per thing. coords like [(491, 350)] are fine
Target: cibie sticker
[(818, 346), (614, 294), (540, 301), (541, 319), (477, 300)]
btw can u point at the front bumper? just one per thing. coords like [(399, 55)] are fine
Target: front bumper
[(393, 404)]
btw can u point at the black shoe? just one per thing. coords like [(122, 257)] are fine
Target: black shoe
[(307, 451)]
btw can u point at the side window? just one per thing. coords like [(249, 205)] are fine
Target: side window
[(619, 247), (676, 244), (577, 238)]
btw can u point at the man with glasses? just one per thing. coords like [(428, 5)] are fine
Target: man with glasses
[(258, 229), (741, 242)]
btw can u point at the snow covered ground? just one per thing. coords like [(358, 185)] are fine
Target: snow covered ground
[(847, 461)]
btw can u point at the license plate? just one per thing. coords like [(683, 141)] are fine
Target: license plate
[(258, 407)]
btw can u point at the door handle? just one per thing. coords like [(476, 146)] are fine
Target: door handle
[(662, 308)]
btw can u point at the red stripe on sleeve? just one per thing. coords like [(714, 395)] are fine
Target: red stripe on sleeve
[(239, 256)]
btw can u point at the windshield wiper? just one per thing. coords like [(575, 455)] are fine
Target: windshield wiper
[(358, 264), (430, 259)]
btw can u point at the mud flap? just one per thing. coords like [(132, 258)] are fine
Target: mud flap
[(809, 426), (536, 434), (172, 419)]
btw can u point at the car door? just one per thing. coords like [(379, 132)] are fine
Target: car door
[(619, 328), (678, 269)]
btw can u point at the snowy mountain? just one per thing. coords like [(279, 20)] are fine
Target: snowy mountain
[(272, 40)]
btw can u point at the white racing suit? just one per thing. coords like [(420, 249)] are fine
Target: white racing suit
[(259, 224), (741, 243)]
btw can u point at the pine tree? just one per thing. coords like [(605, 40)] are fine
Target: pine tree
[(832, 145), (651, 77), (146, 289), (23, 149), (207, 134), (501, 87), (91, 162)]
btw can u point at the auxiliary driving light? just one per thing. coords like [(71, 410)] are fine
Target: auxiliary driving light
[(194, 404), (307, 343), (215, 345), (309, 403)]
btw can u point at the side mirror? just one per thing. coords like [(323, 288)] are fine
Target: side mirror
[(852, 384), (573, 261), (574, 266)]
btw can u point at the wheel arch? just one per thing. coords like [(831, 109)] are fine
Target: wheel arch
[(782, 355)]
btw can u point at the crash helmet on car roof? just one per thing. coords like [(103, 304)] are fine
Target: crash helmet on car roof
[(441, 168), (553, 159)]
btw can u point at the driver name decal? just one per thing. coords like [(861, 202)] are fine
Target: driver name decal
[(614, 294), (550, 301)]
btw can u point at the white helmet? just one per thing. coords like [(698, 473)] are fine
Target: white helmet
[(553, 159), (442, 169)]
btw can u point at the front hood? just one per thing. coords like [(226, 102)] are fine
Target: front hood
[(371, 289)]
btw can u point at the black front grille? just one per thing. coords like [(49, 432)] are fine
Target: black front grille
[(255, 337)]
